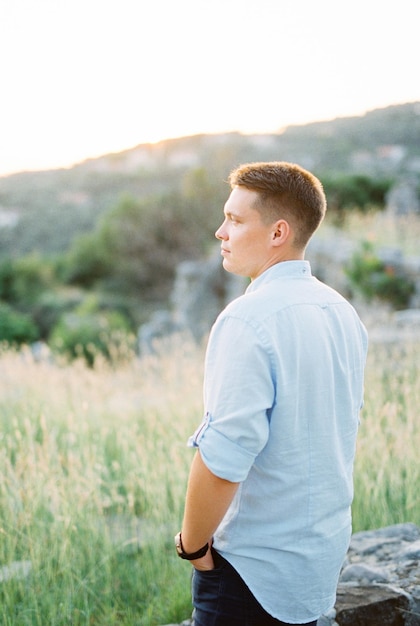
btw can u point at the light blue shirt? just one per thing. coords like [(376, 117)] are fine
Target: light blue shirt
[(283, 390)]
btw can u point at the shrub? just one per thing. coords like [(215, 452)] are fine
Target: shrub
[(374, 278), (88, 333), (16, 328), (23, 280), (86, 262), (356, 192), (51, 305)]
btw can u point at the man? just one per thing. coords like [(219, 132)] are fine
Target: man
[(267, 518)]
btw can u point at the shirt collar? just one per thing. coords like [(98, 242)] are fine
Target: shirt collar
[(285, 269)]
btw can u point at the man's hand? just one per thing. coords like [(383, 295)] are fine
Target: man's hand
[(206, 562)]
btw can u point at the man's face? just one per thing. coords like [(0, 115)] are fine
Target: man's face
[(246, 241)]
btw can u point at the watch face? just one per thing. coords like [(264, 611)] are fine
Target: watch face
[(178, 544)]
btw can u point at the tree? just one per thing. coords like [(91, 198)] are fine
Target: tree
[(355, 192), (139, 243)]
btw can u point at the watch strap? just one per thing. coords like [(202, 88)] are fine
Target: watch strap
[(192, 555)]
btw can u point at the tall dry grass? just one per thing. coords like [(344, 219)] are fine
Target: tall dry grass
[(380, 228), (387, 471), (84, 451)]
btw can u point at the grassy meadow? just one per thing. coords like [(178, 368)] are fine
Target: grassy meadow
[(94, 468), (84, 453)]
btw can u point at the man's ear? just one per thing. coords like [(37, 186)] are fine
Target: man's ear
[(281, 232)]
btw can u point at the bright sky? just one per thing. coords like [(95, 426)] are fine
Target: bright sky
[(81, 78)]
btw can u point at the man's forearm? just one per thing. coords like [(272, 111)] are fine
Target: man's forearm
[(207, 500)]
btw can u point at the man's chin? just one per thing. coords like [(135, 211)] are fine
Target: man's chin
[(229, 267)]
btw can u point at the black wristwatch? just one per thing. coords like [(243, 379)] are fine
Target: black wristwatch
[(193, 555)]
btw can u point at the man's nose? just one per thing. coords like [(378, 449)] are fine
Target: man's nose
[(221, 232)]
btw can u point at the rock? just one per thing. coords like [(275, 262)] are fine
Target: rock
[(201, 290), (410, 552), (370, 606), (408, 318), (365, 573), (402, 198)]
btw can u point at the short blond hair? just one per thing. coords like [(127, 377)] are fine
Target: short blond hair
[(285, 191)]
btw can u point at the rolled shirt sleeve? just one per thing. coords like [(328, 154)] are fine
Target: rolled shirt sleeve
[(239, 390)]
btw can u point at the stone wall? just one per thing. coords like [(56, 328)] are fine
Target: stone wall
[(380, 580), (203, 288)]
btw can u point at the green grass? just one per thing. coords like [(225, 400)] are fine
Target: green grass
[(83, 450)]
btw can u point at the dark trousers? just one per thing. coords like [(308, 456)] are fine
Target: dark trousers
[(221, 598)]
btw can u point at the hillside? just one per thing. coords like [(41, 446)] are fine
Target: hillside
[(45, 211)]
